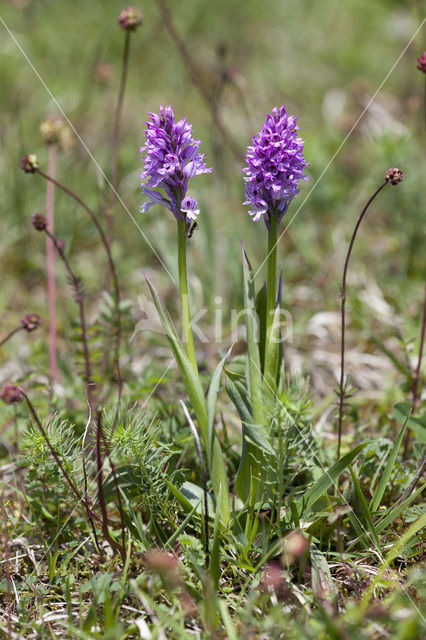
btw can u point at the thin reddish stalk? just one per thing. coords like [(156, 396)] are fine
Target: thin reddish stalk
[(197, 80), (101, 497), (107, 248), (9, 335), (117, 489), (115, 136), (6, 554), (417, 373), (79, 298), (50, 263), (341, 391)]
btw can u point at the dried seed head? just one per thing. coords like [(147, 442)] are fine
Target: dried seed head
[(29, 163), (31, 322), (130, 18), (55, 130), (11, 394), (50, 128), (102, 72), (295, 545), (163, 563), (421, 62), (273, 581), (39, 222), (394, 176)]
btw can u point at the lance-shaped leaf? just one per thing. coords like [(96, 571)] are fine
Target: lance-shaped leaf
[(195, 393), (318, 489), (252, 330), (212, 394)]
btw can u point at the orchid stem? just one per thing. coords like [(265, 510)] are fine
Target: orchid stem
[(188, 337), (271, 289)]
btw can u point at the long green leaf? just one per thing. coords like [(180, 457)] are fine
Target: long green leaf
[(402, 412), (320, 487), (387, 472), (195, 392), (212, 395), (190, 377), (368, 520), (396, 511)]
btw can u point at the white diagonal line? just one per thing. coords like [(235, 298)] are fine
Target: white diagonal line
[(345, 139), (97, 165), (382, 559)]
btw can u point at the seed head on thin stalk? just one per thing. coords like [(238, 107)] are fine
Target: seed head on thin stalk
[(50, 129), (129, 19), (30, 165), (421, 62), (54, 130), (416, 380), (77, 285), (393, 176), (30, 322), (11, 394)]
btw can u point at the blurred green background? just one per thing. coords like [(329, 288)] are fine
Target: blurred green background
[(323, 60)]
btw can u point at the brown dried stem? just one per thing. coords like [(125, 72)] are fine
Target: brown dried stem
[(55, 454), (115, 137), (107, 248), (197, 80), (79, 298), (9, 335), (50, 264), (341, 389), (101, 497)]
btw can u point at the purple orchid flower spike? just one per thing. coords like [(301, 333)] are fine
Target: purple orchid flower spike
[(171, 159), (275, 166)]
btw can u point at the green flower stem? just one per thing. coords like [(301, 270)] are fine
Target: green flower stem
[(271, 295), (188, 338)]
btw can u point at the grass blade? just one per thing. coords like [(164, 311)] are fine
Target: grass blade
[(387, 472)]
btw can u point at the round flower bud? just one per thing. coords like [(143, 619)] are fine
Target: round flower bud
[(11, 394), (50, 128), (130, 18), (39, 222), (55, 130), (31, 322), (394, 176), (421, 62), (29, 163)]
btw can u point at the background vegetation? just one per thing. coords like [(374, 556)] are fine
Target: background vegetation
[(325, 61)]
